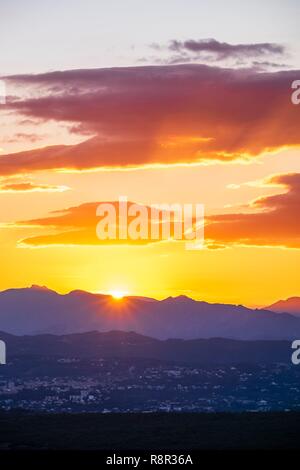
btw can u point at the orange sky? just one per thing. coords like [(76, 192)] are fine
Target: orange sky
[(157, 135)]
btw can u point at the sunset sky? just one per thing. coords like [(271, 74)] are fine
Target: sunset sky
[(164, 102)]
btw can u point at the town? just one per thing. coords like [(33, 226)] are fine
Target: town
[(111, 385)]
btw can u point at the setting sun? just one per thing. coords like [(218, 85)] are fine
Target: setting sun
[(117, 294)]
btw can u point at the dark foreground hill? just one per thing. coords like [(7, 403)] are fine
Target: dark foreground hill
[(132, 345), (177, 432), (39, 310)]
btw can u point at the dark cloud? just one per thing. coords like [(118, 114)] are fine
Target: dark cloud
[(224, 50), (157, 115)]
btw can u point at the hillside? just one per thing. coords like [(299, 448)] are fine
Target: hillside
[(131, 345)]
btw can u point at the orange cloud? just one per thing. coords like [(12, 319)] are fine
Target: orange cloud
[(30, 187), (275, 221), (132, 114), (268, 221), (77, 225)]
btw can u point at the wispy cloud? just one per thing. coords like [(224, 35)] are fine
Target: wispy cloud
[(224, 50), (30, 187), (273, 221), (211, 51)]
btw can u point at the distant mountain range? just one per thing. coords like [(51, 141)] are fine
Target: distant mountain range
[(38, 310), (291, 305), (118, 344)]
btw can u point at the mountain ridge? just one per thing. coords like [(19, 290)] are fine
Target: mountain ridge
[(130, 345), (39, 310), (290, 305)]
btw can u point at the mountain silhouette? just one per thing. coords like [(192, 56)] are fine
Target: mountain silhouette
[(119, 344), (291, 305), (36, 310)]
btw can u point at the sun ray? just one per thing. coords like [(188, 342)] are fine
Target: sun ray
[(118, 294)]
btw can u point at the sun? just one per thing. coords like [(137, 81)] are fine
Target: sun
[(117, 294)]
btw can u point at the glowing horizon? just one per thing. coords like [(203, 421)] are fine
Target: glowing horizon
[(175, 118)]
